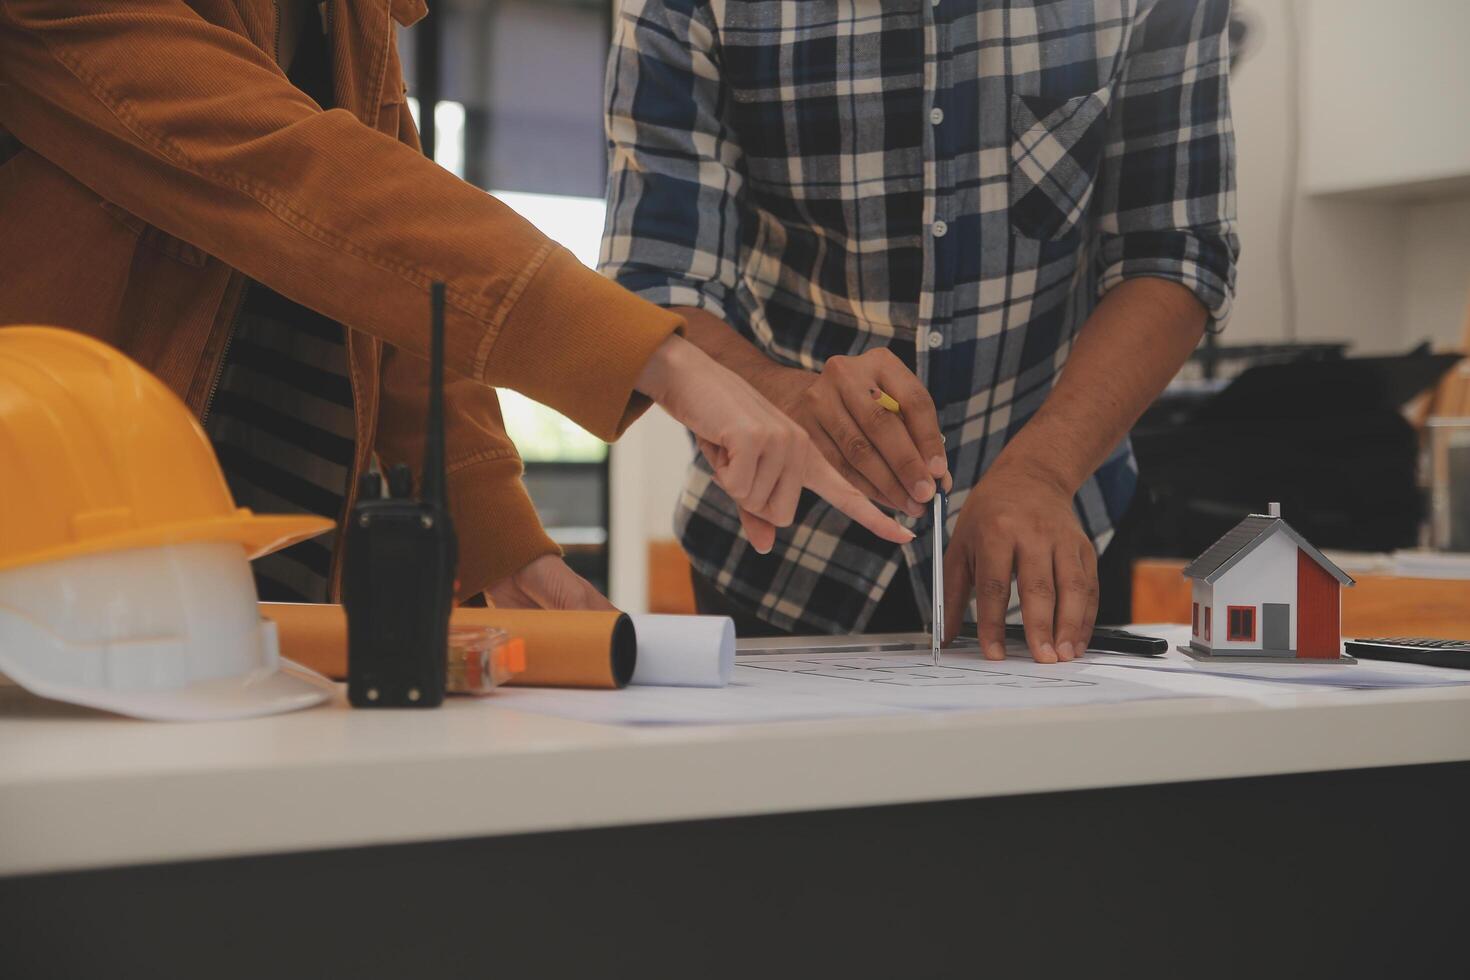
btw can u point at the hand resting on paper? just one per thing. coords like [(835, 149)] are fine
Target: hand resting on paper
[(546, 583), (1018, 523), (1021, 518)]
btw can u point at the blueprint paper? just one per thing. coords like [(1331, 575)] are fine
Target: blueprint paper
[(855, 677), (1366, 675), (684, 651), (803, 684)]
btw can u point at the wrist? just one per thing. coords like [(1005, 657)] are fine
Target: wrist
[(1017, 461), (724, 345), (659, 372), (780, 384)]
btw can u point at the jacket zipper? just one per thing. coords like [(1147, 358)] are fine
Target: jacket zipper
[(354, 474), (276, 41), (224, 356)]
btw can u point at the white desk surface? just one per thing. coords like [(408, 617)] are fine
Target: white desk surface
[(80, 789)]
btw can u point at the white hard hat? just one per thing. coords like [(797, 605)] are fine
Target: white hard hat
[(169, 632), (124, 562)]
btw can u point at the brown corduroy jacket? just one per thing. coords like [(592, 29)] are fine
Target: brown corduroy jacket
[(153, 156)]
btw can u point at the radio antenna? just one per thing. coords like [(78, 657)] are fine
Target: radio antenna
[(433, 483)]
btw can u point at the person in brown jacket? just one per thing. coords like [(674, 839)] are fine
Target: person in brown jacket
[(232, 192)]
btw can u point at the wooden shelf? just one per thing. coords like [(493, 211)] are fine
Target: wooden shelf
[(1379, 605), (669, 587)]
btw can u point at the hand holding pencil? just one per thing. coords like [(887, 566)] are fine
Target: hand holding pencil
[(890, 450)]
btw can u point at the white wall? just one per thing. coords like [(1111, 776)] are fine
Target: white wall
[(1267, 574), (1380, 274), (648, 466), (1347, 256), (1437, 268), (1365, 111)]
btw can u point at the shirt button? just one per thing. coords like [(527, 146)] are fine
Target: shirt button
[(940, 228), (936, 115), (936, 339)]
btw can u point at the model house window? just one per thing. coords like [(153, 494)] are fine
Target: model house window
[(1207, 622), (1194, 619), (1242, 622)]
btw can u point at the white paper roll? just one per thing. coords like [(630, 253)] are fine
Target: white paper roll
[(684, 651)]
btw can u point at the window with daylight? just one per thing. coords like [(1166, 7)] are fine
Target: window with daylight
[(507, 94)]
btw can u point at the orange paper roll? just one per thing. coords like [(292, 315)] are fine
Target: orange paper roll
[(313, 635), (563, 649)]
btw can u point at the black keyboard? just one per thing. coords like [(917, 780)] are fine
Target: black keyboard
[(1413, 650)]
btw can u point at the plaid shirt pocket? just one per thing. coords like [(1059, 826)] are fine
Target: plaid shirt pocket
[(1056, 149)]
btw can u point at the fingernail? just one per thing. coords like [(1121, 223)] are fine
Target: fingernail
[(913, 508), (995, 651), (1065, 649), (1048, 654), (937, 466), (923, 490)]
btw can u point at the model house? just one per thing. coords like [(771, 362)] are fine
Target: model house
[(1262, 590)]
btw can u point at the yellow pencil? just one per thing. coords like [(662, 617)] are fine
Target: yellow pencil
[(886, 400)]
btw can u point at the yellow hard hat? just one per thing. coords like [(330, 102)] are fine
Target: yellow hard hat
[(97, 455)]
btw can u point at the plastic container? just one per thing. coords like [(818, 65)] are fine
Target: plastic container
[(481, 658)]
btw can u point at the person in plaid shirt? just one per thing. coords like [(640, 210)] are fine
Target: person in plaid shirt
[(1016, 217)]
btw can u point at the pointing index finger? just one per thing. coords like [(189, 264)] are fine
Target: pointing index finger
[(828, 484)]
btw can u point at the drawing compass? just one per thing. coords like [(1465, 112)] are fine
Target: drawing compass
[(936, 621)]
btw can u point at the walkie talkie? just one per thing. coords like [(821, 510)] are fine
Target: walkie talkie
[(401, 555)]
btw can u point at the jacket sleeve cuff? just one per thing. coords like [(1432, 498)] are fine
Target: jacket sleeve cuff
[(577, 342), (496, 523)]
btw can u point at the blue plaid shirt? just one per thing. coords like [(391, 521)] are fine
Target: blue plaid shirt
[(956, 181)]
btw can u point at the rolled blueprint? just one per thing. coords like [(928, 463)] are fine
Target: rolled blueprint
[(684, 651), (563, 649)]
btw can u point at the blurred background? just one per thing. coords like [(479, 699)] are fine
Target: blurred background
[(1326, 392), (515, 88)]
